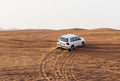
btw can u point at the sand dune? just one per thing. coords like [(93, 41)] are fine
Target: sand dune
[(31, 55), (103, 29)]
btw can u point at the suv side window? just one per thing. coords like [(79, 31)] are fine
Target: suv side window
[(75, 38), (71, 39), (78, 38)]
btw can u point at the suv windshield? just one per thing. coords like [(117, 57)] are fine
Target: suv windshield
[(64, 39)]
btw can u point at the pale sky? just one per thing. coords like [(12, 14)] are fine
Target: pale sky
[(59, 14)]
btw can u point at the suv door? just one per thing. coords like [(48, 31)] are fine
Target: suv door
[(78, 41), (73, 41)]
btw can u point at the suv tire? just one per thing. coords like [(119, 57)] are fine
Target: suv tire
[(83, 44), (71, 48)]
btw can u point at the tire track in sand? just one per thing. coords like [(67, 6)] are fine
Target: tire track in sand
[(53, 55), (71, 69), (67, 66), (65, 61), (57, 65), (42, 71)]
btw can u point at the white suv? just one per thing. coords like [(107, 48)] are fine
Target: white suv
[(70, 41)]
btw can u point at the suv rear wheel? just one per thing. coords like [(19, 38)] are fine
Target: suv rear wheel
[(72, 47)]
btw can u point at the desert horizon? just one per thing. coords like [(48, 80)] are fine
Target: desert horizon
[(74, 28), (32, 55)]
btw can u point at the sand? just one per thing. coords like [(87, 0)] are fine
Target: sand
[(31, 55)]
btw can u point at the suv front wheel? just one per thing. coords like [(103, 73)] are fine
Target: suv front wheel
[(83, 44)]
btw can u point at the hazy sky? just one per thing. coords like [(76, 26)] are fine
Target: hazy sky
[(57, 14)]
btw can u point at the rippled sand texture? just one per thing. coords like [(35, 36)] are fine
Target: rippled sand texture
[(31, 55)]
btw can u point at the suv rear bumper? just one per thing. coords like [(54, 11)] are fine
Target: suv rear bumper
[(65, 47)]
